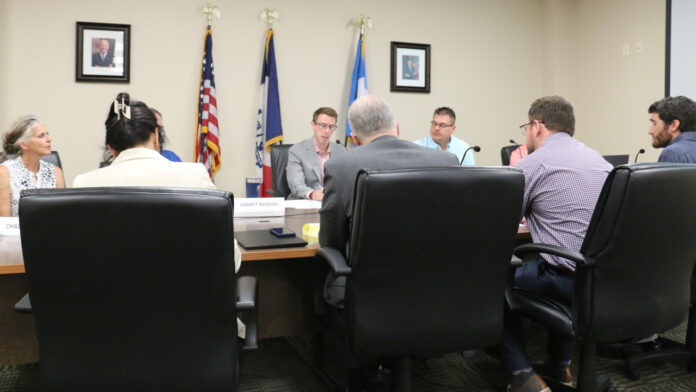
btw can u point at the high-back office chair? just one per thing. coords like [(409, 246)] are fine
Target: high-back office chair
[(429, 258), (505, 153), (633, 277), (24, 304), (53, 158), (279, 161), (132, 294), (616, 160)]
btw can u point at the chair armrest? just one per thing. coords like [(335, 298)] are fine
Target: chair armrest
[(515, 262), (577, 257), (247, 294), (335, 260)]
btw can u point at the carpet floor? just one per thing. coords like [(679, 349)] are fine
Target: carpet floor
[(277, 367)]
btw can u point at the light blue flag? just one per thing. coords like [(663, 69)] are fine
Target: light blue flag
[(358, 86)]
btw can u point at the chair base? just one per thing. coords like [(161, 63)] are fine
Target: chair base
[(671, 352)]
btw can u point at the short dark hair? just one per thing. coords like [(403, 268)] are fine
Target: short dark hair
[(122, 132), (445, 111), (554, 112), (161, 135), (676, 108), (324, 110)]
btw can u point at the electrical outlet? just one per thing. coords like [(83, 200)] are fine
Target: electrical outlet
[(639, 47)]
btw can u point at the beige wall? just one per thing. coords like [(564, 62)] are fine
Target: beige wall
[(490, 59)]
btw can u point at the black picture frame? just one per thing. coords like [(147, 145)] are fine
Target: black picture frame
[(113, 65), (410, 67)]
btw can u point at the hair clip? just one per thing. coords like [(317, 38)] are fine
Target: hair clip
[(122, 108)]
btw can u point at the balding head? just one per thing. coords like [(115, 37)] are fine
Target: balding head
[(371, 116)]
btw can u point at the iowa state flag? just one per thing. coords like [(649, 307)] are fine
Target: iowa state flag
[(358, 86), (207, 133), (268, 128)]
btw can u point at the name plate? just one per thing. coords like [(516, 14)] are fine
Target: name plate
[(259, 206), (9, 225)]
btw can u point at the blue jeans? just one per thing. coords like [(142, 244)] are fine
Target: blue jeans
[(536, 276)]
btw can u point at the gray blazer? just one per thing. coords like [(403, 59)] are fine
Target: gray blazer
[(302, 171), (385, 152)]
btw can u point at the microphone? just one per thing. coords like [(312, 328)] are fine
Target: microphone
[(514, 142), (475, 148), (641, 151), (338, 141)]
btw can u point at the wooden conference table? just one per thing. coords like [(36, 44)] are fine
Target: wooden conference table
[(285, 297)]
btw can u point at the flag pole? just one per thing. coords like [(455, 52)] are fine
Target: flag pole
[(365, 22), (211, 11)]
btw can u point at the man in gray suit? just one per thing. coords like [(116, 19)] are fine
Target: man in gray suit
[(306, 159), (377, 134)]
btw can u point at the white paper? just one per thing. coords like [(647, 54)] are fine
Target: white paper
[(9, 225), (303, 204), (259, 206)]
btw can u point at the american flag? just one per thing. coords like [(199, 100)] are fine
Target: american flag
[(207, 133)]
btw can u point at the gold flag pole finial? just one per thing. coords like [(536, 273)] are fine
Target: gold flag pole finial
[(211, 11), (365, 22), (269, 15)]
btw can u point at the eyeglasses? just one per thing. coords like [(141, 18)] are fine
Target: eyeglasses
[(523, 127), (435, 124), (326, 126)]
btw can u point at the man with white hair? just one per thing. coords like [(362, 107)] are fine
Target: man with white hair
[(377, 135)]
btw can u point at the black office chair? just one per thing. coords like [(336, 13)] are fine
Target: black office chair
[(24, 304), (132, 294), (632, 278), (429, 258), (279, 161), (505, 153), (616, 160), (53, 158)]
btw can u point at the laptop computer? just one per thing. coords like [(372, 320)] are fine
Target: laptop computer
[(263, 239)]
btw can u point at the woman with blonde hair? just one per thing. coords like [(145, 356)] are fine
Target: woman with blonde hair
[(28, 140)]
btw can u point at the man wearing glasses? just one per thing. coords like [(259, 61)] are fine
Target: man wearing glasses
[(563, 180), (306, 159), (441, 129)]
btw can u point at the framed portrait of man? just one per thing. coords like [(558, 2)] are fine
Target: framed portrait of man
[(410, 67), (102, 52)]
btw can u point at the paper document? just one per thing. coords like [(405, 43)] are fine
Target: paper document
[(303, 204)]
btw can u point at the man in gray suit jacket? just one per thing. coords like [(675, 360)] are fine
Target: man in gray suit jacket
[(376, 132), (306, 159)]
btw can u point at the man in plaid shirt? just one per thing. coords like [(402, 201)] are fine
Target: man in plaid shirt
[(563, 180)]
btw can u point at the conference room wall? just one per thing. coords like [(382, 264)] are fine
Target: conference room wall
[(489, 60), (614, 90), (482, 65)]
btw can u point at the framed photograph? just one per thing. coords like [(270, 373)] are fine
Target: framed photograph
[(410, 67), (102, 52)]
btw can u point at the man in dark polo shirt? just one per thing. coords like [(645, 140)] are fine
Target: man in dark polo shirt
[(673, 122)]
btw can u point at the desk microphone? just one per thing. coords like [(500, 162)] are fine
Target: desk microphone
[(514, 142), (641, 151), (475, 148)]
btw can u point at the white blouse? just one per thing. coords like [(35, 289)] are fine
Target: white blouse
[(21, 178)]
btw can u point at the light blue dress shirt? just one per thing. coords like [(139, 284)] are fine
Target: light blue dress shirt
[(456, 146)]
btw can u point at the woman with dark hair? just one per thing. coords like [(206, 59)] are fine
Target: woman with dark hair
[(132, 137), (29, 140)]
